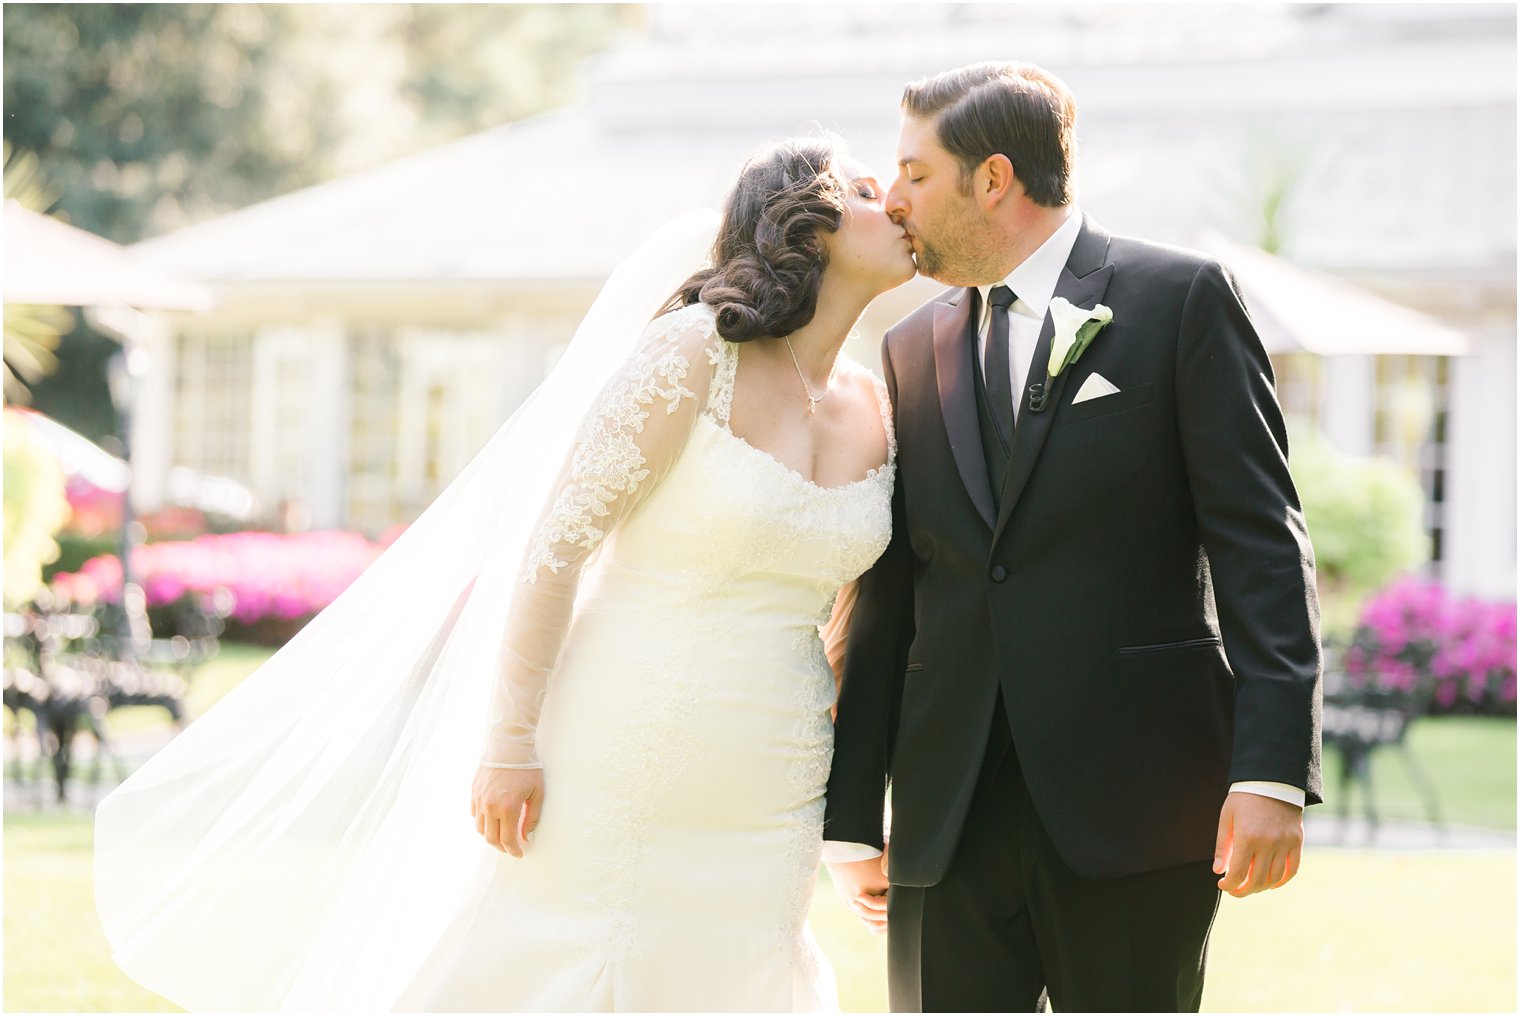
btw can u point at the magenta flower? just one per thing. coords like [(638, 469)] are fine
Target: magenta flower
[(1416, 638), (278, 576)]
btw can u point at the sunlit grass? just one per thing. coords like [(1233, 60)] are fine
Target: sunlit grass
[(56, 957), (1354, 932), (1357, 931), (1469, 760)]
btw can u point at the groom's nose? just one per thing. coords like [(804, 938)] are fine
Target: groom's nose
[(897, 208)]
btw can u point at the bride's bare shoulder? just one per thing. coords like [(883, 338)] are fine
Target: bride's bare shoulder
[(863, 378)]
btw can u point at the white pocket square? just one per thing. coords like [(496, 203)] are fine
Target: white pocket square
[(1095, 387)]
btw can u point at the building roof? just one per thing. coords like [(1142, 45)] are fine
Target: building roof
[(1187, 116)]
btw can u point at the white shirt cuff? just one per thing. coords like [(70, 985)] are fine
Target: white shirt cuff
[(1279, 791), (841, 852)]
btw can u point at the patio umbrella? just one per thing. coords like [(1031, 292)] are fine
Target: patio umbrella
[(51, 262), (87, 465), (80, 457)]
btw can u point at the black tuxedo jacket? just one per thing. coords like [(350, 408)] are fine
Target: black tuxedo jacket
[(1145, 596)]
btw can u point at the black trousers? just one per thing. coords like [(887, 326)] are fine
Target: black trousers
[(1011, 926)]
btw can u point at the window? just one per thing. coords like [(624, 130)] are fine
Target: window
[(212, 404), (374, 384), (1410, 424)]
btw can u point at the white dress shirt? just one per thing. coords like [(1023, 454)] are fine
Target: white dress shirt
[(1033, 282)]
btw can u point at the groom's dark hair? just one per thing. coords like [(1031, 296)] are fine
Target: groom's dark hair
[(1013, 109)]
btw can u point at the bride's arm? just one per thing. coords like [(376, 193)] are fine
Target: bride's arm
[(626, 444), (836, 631)]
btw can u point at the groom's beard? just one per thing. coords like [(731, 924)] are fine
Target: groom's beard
[(959, 253)]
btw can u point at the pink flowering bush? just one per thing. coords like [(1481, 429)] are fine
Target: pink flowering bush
[(278, 581), (1456, 654)]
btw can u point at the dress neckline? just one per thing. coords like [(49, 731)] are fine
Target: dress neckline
[(721, 401), (873, 473)]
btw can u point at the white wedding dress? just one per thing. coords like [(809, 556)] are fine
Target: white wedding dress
[(669, 624)]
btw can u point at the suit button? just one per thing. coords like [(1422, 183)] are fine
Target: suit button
[(999, 573)]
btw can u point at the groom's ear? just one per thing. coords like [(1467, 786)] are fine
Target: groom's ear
[(995, 182)]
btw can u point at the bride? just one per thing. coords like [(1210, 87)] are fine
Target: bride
[(629, 592)]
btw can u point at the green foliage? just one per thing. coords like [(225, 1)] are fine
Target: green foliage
[(31, 331), (1363, 514), (493, 64), (74, 550), (146, 117), (144, 114), (76, 393), (35, 509)]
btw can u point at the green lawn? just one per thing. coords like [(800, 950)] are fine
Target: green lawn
[(1469, 760), (214, 678), (56, 958), (1356, 931)]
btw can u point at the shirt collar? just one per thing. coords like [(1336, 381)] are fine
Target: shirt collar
[(1034, 280)]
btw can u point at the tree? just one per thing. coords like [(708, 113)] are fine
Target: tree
[(147, 117)]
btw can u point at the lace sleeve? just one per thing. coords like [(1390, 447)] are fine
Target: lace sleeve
[(627, 443)]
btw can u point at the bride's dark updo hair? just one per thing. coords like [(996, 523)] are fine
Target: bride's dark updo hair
[(768, 260)]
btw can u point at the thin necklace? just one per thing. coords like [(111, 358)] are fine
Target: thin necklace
[(812, 402)]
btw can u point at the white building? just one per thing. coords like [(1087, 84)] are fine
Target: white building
[(373, 331)]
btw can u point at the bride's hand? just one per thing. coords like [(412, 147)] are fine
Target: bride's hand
[(506, 804), (863, 886)]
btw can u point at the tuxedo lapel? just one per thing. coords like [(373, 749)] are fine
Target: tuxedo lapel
[(953, 364), (1083, 282)]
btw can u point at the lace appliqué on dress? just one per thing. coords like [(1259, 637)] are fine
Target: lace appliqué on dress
[(607, 462), (720, 399)]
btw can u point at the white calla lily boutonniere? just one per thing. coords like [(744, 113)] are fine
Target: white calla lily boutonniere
[(1075, 328)]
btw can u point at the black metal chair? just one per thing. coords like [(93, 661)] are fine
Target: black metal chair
[(60, 688), (70, 669), (1359, 720)]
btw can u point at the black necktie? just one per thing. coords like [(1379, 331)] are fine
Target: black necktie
[(999, 384)]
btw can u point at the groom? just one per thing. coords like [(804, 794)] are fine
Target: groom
[(1088, 664)]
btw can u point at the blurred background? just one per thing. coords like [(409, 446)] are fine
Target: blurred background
[(274, 273)]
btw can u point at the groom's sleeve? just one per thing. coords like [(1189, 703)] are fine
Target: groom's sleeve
[(1251, 523), (865, 727)]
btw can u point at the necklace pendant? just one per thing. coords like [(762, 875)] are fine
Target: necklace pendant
[(812, 405)]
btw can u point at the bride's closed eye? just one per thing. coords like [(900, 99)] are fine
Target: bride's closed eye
[(867, 191)]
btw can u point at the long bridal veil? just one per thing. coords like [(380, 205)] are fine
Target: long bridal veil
[(303, 844)]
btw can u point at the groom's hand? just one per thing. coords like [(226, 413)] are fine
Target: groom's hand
[(506, 804), (863, 887), (1259, 844)]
